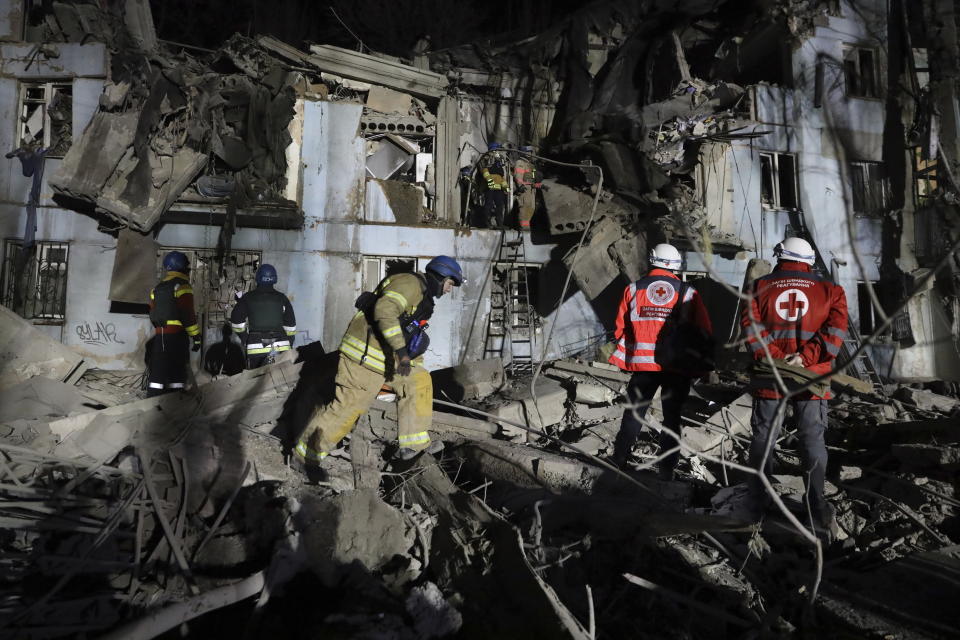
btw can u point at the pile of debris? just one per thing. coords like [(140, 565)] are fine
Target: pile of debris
[(131, 516)]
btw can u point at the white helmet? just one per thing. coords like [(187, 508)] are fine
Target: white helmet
[(665, 256), (795, 249)]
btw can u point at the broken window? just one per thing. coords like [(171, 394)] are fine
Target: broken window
[(400, 131), (860, 72), (216, 283), (46, 116), (778, 185), (35, 280), (870, 188), (869, 318), (376, 268)]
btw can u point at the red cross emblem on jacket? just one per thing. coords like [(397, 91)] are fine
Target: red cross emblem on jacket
[(794, 310)]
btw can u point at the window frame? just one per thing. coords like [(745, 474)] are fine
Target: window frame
[(776, 181), (853, 72), (859, 201), (49, 88), (39, 257)]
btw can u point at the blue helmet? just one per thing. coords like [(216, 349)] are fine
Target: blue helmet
[(446, 267), (526, 148), (266, 274), (176, 261), (493, 146)]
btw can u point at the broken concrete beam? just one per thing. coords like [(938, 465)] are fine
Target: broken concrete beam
[(511, 412), (26, 352), (599, 437), (586, 393), (528, 467), (468, 381), (388, 101), (462, 425), (610, 250), (590, 370), (926, 400)]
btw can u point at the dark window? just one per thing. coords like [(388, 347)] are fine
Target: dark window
[(860, 72), (778, 186), (35, 280), (869, 318), (870, 188)]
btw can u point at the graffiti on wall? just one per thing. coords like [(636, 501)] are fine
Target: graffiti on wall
[(98, 333)]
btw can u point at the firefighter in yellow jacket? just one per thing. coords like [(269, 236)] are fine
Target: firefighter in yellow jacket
[(383, 343)]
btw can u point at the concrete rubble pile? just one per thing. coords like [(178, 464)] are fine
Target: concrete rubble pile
[(129, 517)]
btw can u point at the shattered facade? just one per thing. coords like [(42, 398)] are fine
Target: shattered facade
[(717, 127)]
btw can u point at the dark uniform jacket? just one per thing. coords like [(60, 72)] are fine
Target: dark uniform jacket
[(265, 314)]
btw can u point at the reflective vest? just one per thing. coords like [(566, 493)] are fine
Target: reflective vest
[(645, 309), (171, 305), (373, 336), (794, 310)]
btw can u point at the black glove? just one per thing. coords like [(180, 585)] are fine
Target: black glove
[(196, 344), (403, 362), (520, 188)]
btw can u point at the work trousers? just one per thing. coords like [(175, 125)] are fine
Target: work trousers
[(356, 389), (526, 205), (494, 207), (169, 359), (257, 360), (811, 417), (643, 385)]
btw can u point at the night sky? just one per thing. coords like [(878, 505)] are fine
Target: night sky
[(387, 26)]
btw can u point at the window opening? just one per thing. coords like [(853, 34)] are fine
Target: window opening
[(870, 188), (46, 117), (35, 280), (860, 72), (376, 268), (778, 184)]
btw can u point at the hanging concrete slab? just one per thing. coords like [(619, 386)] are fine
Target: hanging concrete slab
[(134, 267)]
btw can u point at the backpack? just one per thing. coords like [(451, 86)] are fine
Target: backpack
[(685, 347)]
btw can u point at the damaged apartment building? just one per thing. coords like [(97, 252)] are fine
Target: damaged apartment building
[(721, 127), (338, 166)]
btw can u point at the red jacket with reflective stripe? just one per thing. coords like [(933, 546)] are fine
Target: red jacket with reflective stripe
[(644, 309), (793, 310)]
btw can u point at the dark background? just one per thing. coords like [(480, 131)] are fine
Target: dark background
[(387, 26)]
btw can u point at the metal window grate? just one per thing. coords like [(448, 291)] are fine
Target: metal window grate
[(35, 280), (215, 286)]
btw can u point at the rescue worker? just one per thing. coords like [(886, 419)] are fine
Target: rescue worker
[(652, 309), (383, 344), (494, 169), (800, 318), (175, 326), (527, 183), (264, 319)]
